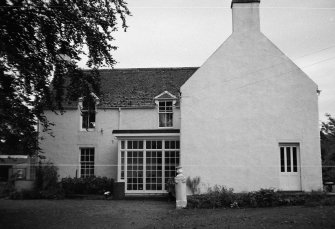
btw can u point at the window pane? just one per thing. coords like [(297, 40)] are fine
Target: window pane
[(295, 168), (167, 144), (162, 120), (148, 145), (168, 104), (282, 160), (161, 106), (91, 120), (159, 144), (129, 145), (288, 158), (84, 124), (169, 120)]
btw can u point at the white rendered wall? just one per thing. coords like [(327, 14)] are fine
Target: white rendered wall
[(246, 99), (63, 149)]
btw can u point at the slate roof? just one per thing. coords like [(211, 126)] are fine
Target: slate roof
[(137, 87)]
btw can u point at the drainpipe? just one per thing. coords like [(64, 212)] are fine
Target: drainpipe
[(119, 126)]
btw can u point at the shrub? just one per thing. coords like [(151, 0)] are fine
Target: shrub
[(87, 185), (25, 194), (218, 197), (46, 176), (8, 187), (193, 184), (46, 183), (171, 188), (263, 198)]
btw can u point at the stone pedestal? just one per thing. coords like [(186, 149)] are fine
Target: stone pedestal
[(180, 180)]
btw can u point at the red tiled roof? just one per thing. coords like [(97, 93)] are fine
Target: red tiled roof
[(137, 87)]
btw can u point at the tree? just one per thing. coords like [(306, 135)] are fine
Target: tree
[(328, 148), (36, 38)]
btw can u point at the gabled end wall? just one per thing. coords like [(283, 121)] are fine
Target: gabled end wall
[(245, 100)]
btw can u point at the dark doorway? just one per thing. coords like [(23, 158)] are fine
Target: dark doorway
[(4, 172)]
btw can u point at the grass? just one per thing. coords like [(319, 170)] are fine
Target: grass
[(155, 214)]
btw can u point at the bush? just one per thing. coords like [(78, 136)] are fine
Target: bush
[(264, 198), (193, 184), (216, 197), (171, 188), (87, 185), (221, 197), (46, 183), (8, 187), (25, 194)]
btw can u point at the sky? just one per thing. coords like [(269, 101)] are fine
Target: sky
[(184, 33)]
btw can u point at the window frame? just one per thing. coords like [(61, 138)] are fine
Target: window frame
[(81, 148), (82, 116), (166, 168), (89, 112), (292, 164), (165, 112)]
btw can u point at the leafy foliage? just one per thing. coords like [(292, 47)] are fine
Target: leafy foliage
[(87, 185), (46, 183), (221, 197), (328, 149), (37, 40), (193, 184)]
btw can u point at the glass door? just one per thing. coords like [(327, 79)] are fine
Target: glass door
[(146, 165)]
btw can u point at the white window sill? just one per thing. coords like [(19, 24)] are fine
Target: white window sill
[(87, 130)]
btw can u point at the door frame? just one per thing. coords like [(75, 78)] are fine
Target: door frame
[(144, 150), (286, 175)]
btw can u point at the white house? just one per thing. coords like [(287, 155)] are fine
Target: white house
[(246, 119)]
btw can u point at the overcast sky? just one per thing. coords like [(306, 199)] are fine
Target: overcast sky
[(184, 33)]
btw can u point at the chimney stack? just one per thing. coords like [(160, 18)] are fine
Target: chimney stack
[(245, 15)]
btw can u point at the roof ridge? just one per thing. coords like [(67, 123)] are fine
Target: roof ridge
[(153, 68)]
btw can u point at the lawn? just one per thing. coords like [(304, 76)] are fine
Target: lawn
[(154, 214)]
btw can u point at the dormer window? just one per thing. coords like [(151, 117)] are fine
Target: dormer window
[(165, 103), (165, 110), (88, 111)]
